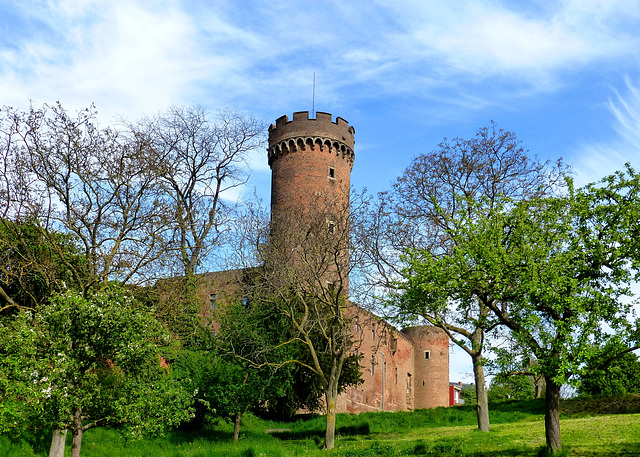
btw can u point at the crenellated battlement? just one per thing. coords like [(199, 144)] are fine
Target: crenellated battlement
[(286, 136), (322, 126)]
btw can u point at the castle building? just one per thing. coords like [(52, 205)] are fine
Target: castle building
[(311, 161)]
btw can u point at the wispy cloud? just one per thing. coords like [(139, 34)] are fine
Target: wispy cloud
[(600, 159), (139, 56), (119, 54)]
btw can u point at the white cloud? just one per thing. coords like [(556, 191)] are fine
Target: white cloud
[(598, 160), (121, 55), (136, 57), (488, 38)]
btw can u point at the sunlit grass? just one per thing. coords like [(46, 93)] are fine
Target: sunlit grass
[(517, 429)]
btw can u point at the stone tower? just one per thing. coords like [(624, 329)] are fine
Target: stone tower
[(311, 162)]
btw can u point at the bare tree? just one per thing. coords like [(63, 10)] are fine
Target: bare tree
[(422, 212), (200, 159), (304, 276), (70, 176)]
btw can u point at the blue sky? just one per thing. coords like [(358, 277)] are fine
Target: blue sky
[(563, 75)]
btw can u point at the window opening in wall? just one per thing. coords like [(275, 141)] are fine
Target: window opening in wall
[(357, 324), (373, 362), (393, 345), (212, 301), (396, 375), (422, 383), (331, 227), (332, 173), (373, 333), (427, 355)]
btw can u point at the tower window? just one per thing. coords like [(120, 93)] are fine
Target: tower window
[(212, 301), (332, 173), (427, 355), (373, 361)]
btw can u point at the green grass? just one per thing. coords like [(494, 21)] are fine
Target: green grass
[(590, 427)]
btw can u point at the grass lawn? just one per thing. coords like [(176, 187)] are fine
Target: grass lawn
[(590, 427)]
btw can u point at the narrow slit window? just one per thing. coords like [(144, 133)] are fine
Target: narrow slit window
[(427, 355), (212, 301), (332, 173)]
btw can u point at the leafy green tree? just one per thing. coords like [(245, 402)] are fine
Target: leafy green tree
[(613, 371), (230, 374), (84, 362), (427, 209), (556, 270), (515, 387), (261, 365)]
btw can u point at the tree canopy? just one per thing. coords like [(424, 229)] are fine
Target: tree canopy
[(425, 214), (84, 362), (556, 271)]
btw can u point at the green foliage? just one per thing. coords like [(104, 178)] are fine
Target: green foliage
[(261, 342), (613, 371), (468, 394), (176, 304), (100, 354), (517, 387), (556, 270), (34, 263)]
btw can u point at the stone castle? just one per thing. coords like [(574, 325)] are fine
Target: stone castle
[(311, 162)]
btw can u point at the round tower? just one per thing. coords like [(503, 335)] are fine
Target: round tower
[(311, 162), (431, 366)]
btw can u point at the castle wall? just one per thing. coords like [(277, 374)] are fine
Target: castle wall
[(395, 375), (387, 366)]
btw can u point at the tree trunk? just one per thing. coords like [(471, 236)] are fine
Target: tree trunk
[(58, 442), (236, 426), (482, 404), (538, 382), (77, 432), (331, 396), (552, 416)]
